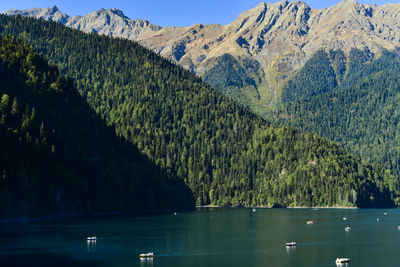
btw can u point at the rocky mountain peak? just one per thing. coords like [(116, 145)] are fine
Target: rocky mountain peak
[(282, 4), (117, 12), (111, 12), (349, 5), (260, 8), (53, 9), (348, 2), (298, 3), (103, 21), (52, 13), (112, 22)]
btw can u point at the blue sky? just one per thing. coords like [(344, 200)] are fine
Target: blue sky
[(166, 12)]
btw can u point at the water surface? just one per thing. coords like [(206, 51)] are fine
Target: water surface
[(209, 237)]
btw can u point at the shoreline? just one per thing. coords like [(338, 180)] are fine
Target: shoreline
[(63, 216), (269, 207)]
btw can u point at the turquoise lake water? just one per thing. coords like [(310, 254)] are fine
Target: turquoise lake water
[(209, 237)]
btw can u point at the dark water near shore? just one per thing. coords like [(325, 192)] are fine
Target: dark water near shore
[(209, 237)]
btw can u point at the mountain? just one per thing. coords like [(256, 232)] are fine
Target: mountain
[(352, 100), (58, 156), (110, 22), (226, 154), (266, 44), (52, 14)]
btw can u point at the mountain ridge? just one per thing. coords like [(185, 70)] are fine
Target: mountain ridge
[(277, 39), (110, 21)]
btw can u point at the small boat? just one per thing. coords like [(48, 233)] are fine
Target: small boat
[(146, 255), (385, 213), (348, 229), (398, 227), (291, 244), (344, 218), (175, 213), (342, 260), (91, 238), (310, 222), (315, 209), (254, 209), (377, 219)]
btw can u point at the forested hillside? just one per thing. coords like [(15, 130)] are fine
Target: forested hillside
[(359, 108), (58, 156), (231, 78), (317, 77), (225, 153)]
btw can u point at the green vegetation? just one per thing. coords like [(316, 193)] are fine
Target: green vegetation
[(361, 111), (225, 153), (58, 156), (231, 78), (317, 77)]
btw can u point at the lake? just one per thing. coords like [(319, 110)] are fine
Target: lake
[(209, 237)]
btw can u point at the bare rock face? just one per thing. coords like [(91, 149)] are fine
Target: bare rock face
[(51, 13), (111, 22), (278, 38)]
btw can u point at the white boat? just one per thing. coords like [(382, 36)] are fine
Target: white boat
[(254, 209), (377, 219), (310, 222), (291, 244), (91, 238), (398, 227), (344, 218), (348, 228), (175, 213), (342, 260), (146, 255), (385, 213)]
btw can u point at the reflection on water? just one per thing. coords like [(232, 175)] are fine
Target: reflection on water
[(290, 250), (342, 264), (146, 262), (91, 245)]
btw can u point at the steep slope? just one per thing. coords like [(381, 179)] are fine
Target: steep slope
[(57, 156), (275, 39), (359, 110), (225, 153), (110, 22)]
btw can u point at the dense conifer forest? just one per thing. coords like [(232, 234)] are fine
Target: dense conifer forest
[(358, 107), (58, 156), (225, 153), (231, 78)]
